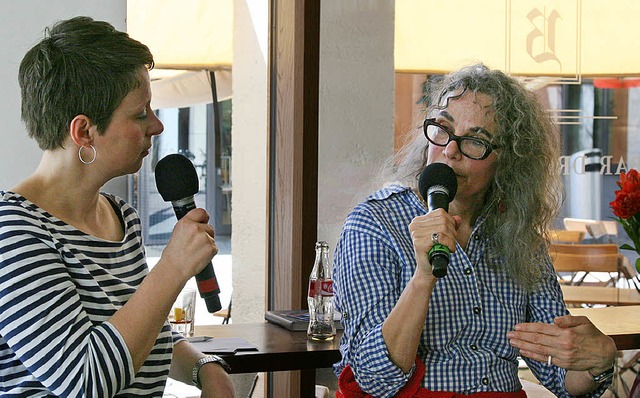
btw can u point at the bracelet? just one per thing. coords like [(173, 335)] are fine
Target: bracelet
[(195, 373)]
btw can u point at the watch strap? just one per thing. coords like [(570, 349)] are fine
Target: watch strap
[(195, 373), (602, 377)]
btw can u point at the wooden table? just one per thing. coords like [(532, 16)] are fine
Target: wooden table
[(620, 323), (283, 350), (600, 295), (278, 350)]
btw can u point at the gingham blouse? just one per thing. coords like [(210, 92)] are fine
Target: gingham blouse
[(464, 344)]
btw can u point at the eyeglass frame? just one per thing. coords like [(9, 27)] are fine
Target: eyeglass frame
[(489, 147)]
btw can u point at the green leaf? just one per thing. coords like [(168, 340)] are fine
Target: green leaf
[(638, 264), (627, 246)]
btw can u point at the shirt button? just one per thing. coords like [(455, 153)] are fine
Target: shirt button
[(485, 381), (467, 271), (474, 347), (476, 310), (476, 236)]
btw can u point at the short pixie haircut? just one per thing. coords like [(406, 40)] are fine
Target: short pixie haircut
[(80, 67)]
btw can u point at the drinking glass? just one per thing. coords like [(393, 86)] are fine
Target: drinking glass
[(181, 316)]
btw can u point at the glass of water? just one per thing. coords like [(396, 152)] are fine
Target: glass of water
[(181, 316)]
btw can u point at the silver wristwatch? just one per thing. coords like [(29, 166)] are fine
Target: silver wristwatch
[(602, 377), (195, 373)]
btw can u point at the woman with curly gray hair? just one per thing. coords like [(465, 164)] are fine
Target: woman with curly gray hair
[(463, 333)]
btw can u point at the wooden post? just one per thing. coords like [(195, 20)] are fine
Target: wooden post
[(293, 166)]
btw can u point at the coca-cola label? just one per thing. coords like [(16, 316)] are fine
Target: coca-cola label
[(326, 288)]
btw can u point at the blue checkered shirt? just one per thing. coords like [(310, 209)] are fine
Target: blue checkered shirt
[(464, 344)]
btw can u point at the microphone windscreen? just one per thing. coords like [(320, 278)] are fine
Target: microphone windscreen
[(438, 174), (176, 178)]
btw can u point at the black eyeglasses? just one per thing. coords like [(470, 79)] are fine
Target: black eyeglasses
[(471, 147)]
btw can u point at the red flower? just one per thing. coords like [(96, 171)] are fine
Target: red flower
[(627, 202), (630, 182), (626, 208)]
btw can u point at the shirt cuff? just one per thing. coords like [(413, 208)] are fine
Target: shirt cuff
[(124, 360), (374, 366)]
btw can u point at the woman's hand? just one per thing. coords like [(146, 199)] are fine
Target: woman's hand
[(192, 244), (572, 343), (423, 228)]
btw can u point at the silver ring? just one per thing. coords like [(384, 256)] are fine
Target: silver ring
[(549, 360), (434, 238)]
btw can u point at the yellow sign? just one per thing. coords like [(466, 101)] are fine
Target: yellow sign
[(567, 38)]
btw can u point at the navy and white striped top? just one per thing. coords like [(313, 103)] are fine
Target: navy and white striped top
[(464, 344), (58, 288)]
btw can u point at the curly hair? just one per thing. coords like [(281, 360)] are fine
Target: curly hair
[(526, 191), (81, 66)]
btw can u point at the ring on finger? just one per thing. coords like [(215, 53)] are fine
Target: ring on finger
[(434, 238)]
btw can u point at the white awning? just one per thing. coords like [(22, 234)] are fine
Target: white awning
[(180, 88)]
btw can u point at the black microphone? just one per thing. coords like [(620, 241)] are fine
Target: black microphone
[(438, 186), (177, 182)]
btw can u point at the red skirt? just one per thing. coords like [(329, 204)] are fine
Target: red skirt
[(349, 388)]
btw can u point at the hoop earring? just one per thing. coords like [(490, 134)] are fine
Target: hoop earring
[(95, 154)]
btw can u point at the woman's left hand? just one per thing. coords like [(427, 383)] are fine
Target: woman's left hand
[(572, 342)]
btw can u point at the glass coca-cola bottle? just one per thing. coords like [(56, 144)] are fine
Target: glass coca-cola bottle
[(320, 298)]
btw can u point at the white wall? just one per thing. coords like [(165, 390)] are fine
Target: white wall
[(249, 160), (21, 26), (356, 106)]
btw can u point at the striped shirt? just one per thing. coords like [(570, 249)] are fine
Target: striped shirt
[(463, 344), (58, 288)]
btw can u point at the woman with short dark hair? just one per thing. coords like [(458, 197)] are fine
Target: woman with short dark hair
[(80, 313)]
